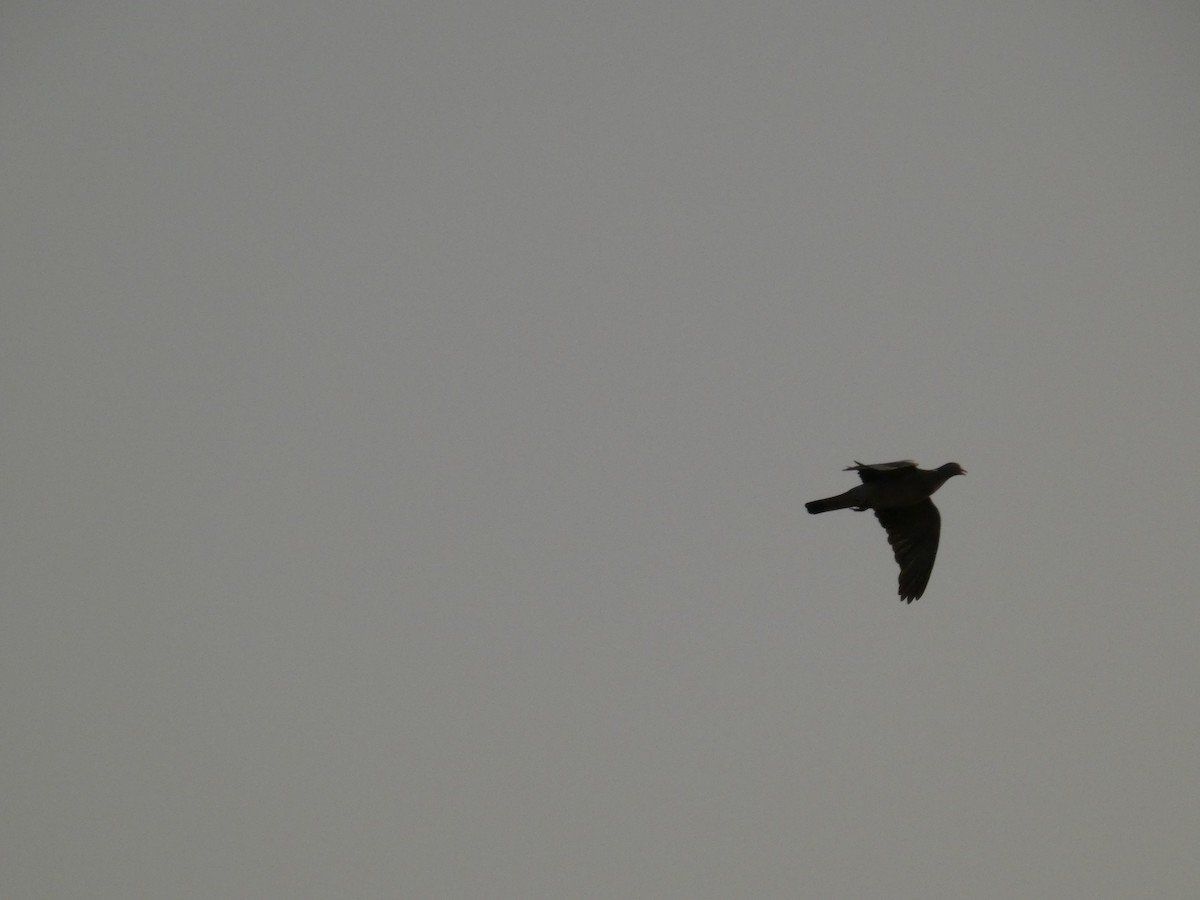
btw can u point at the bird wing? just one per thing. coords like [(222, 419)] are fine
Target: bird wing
[(913, 531), (869, 472)]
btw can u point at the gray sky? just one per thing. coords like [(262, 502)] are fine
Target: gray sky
[(408, 411)]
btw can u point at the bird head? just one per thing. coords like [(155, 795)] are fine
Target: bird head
[(952, 469)]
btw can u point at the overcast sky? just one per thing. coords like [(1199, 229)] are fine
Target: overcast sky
[(409, 410)]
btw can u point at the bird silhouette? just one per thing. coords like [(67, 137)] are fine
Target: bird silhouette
[(898, 492)]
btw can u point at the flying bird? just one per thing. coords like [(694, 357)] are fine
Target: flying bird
[(899, 492)]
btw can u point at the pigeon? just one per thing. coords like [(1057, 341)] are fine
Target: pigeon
[(899, 492)]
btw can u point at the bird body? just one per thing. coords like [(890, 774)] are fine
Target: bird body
[(899, 492)]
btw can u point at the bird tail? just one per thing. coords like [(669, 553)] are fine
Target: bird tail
[(841, 501)]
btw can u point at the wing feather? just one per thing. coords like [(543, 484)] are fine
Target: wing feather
[(914, 532), (868, 472)]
